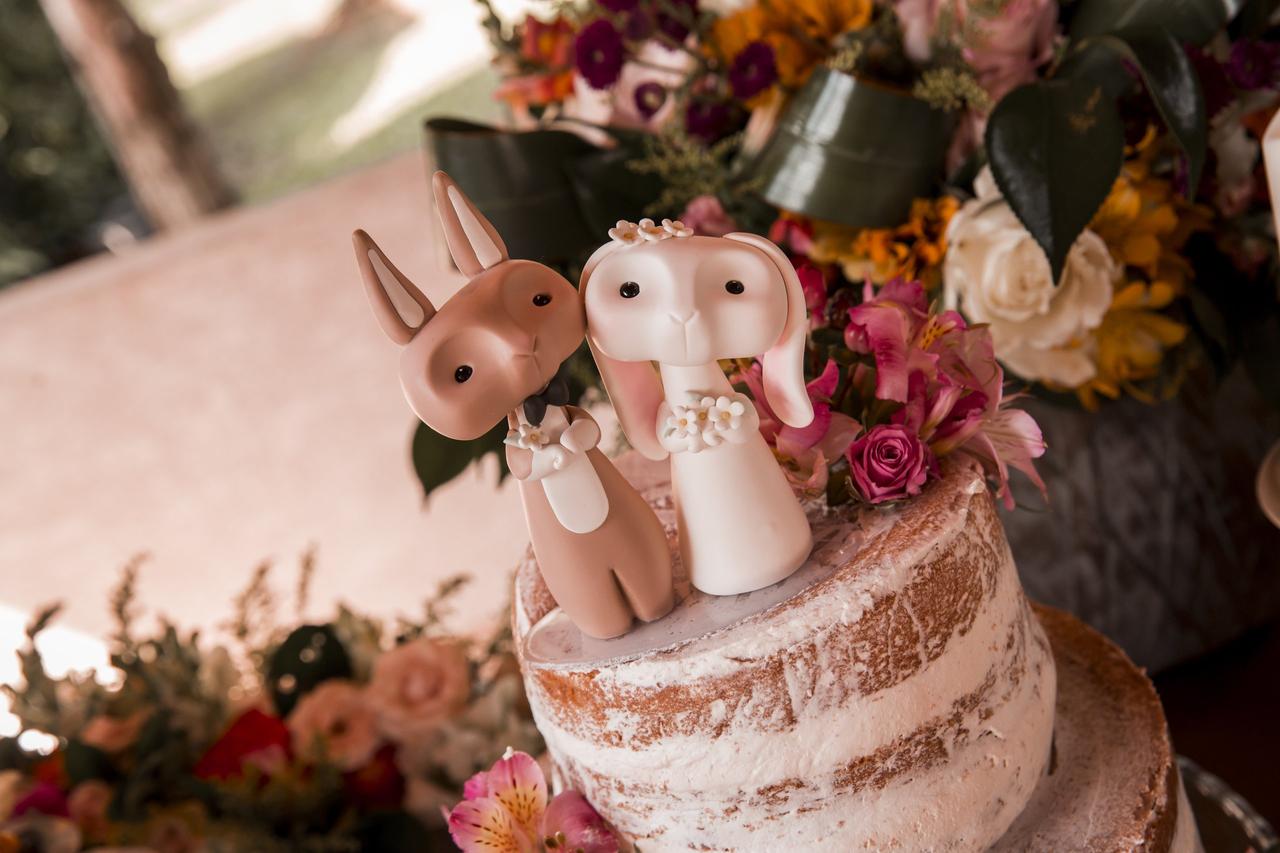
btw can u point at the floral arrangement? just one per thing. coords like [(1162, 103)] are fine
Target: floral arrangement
[(1083, 179), (346, 735)]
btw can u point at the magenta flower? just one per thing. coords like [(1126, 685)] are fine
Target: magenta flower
[(618, 6), (506, 809), (945, 375), (649, 98), (889, 463), (886, 326), (675, 17), (1254, 64), (814, 285), (805, 452), (599, 54), (753, 70), (707, 120), (706, 215)]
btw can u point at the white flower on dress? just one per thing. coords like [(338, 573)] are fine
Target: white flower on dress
[(527, 437), (726, 414), (684, 425)]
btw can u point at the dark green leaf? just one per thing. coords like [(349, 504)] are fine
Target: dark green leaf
[(1170, 80), (310, 655), (437, 459), (1194, 21), (1254, 18), (1056, 148), (84, 762)]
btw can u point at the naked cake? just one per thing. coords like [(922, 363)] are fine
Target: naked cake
[(898, 692)]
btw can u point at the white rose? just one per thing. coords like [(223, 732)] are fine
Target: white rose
[(995, 272)]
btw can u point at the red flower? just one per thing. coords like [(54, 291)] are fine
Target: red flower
[(377, 785), (254, 739)]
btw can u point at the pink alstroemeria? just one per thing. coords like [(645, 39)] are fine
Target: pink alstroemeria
[(814, 285), (793, 234), (806, 452), (506, 811), (945, 374)]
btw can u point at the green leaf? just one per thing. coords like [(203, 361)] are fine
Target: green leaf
[(1056, 147), (437, 459), (1170, 80), (84, 762), (1194, 21)]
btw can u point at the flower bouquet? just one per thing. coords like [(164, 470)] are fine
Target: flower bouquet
[(345, 735), (1082, 180)]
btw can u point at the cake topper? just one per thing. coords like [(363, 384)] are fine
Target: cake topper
[(492, 352), (656, 293)]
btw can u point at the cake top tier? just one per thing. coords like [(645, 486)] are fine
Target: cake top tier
[(872, 548)]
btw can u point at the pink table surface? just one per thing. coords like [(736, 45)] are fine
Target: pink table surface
[(220, 396)]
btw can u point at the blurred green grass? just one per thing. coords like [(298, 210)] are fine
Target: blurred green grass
[(269, 117)]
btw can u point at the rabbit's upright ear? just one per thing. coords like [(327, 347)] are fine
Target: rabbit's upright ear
[(473, 241), (784, 362), (400, 307)]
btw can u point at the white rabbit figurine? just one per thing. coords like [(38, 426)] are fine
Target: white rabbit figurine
[(657, 293)]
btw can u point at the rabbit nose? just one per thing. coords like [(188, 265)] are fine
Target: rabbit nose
[(682, 319)]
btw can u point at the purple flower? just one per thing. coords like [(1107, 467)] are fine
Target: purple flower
[(707, 120), (1213, 80), (649, 98), (753, 70), (889, 463), (675, 16), (599, 53), (1253, 64)]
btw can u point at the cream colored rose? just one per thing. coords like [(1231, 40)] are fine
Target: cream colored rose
[(995, 273), (418, 685)]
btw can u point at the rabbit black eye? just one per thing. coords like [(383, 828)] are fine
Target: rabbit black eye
[(542, 299), (462, 374), (734, 286), (629, 290)]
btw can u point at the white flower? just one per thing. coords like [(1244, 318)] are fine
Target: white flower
[(684, 427), (652, 233), (527, 437), (726, 414), (996, 273), (676, 228), (627, 233)]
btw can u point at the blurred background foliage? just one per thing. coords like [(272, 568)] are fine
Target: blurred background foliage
[(57, 176)]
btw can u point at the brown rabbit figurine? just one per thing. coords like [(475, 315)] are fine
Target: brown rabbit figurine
[(492, 351)]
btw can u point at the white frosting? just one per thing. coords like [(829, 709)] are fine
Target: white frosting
[(986, 700)]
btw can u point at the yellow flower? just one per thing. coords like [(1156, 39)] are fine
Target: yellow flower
[(1145, 224), (913, 250), (1132, 342), (801, 32)]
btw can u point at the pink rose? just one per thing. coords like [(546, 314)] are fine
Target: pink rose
[(706, 216), (337, 721), (889, 463), (1009, 46), (114, 735), (87, 805), (418, 685), (1004, 43)]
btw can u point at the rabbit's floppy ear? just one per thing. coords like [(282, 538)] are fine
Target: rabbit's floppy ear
[(633, 386), (784, 362), (400, 307), (473, 241)]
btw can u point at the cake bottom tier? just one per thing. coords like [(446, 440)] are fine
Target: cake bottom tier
[(1112, 782)]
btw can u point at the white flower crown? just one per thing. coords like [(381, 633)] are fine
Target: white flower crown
[(633, 233)]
